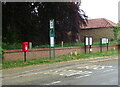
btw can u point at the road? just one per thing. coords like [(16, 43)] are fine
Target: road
[(93, 71)]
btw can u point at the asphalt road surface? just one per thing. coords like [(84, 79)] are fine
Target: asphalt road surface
[(94, 71)]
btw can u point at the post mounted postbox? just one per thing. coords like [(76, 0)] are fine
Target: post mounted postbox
[(25, 46)]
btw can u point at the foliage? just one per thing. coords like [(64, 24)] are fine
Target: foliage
[(116, 32), (11, 46), (18, 45), (1, 55), (28, 21)]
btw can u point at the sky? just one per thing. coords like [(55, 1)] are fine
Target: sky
[(101, 9)]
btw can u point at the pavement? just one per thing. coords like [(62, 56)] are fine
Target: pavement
[(93, 71)]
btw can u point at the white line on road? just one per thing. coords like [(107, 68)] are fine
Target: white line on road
[(103, 60), (108, 70), (83, 76), (53, 83)]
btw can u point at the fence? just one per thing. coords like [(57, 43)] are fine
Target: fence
[(13, 55)]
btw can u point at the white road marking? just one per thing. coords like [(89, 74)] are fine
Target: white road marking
[(74, 73), (53, 83), (102, 67), (108, 70), (61, 74), (102, 60), (109, 66), (95, 67), (56, 71), (83, 76)]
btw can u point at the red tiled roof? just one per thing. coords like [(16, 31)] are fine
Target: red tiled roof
[(99, 23)]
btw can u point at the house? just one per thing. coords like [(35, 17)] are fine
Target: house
[(98, 28)]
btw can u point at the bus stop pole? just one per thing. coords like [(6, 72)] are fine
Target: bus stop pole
[(25, 56)]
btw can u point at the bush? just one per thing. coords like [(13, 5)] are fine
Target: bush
[(11, 46), (1, 53), (19, 45)]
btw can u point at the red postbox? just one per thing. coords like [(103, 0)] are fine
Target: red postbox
[(25, 46)]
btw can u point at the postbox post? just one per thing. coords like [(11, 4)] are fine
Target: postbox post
[(25, 56), (25, 49)]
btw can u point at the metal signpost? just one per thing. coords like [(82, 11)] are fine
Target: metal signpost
[(52, 40), (88, 42), (102, 42)]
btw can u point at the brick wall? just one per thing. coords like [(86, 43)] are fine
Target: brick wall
[(12, 55), (97, 33)]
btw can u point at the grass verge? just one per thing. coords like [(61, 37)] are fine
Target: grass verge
[(68, 57)]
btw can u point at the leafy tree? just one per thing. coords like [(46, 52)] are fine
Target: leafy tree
[(28, 21), (16, 22), (116, 32)]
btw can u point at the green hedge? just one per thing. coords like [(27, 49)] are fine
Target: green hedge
[(19, 45)]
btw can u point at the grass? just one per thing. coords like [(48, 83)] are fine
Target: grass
[(68, 57), (74, 44)]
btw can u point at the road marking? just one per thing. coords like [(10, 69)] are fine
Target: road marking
[(61, 74), (102, 67), (102, 60), (95, 67), (108, 70), (69, 73), (81, 72), (53, 83), (30, 73), (83, 76)]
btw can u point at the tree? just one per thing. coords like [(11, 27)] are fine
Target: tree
[(29, 21), (116, 32), (67, 20), (16, 22)]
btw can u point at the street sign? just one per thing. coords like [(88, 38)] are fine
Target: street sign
[(104, 40), (52, 32), (86, 41), (52, 41), (52, 23), (52, 38), (90, 38)]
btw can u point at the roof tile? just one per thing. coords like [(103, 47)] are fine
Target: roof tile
[(99, 23)]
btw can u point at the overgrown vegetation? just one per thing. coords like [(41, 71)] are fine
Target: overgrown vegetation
[(116, 32), (11, 47), (1, 57), (67, 57)]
